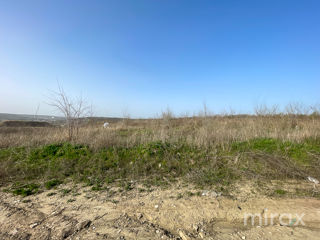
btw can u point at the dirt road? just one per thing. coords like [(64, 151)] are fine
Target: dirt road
[(174, 213)]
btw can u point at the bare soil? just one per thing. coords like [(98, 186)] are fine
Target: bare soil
[(179, 212)]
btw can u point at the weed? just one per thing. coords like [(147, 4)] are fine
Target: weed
[(179, 196), (97, 187), (109, 180), (280, 192), (51, 194), (189, 194), (65, 191), (128, 186), (52, 183), (26, 190)]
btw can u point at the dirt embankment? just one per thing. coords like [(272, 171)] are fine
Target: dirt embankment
[(175, 213)]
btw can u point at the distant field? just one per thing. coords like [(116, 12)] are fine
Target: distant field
[(26, 117), (16, 124)]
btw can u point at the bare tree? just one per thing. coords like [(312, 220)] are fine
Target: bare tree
[(73, 110)]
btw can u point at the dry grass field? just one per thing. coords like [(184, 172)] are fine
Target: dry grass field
[(196, 131)]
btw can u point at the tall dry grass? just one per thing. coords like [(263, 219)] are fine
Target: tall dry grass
[(200, 131)]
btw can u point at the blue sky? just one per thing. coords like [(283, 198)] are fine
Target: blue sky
[(141, 57)]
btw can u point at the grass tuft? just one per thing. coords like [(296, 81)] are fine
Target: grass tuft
[(26, 190), (52, 183)]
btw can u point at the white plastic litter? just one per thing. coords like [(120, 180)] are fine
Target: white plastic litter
[(315, 181)]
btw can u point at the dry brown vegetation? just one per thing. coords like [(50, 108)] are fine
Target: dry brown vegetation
[(198, 131)]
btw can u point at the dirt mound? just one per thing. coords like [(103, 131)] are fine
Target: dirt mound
[(24, 124)]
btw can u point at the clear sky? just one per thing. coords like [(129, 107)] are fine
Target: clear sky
[(140, 56)]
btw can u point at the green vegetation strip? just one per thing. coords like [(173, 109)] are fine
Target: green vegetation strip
[(159, 163)]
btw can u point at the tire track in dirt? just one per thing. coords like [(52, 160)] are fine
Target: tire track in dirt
[(149, 215)]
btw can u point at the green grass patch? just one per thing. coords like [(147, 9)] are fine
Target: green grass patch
[(96, 187), (52, 183), (65, 191), (280, 192), (160, 163), (26, 190), (301, 152)]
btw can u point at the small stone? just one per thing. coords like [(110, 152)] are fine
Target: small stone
[(196, 227), (183, 235), (205, 193), (14, 232), (201, 234), (33, 225), (66, 232), (214, 194), (211, 193)]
